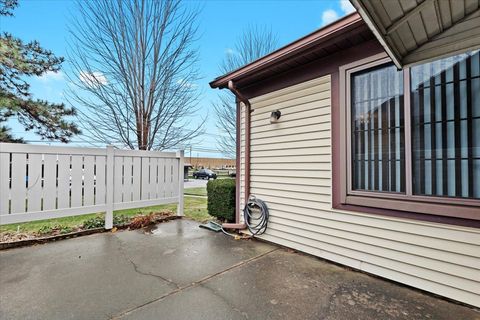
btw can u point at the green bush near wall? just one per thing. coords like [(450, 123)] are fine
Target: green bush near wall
[(221, 198)]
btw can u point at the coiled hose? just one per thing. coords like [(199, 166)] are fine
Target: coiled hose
[(256, 220)]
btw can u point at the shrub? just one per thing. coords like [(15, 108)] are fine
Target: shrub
[(65, 230), (54, 230), (46, 229), (221, 199), (99, 221), (120, 220), (93, 223)]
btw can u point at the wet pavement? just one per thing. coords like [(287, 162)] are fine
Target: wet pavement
[(179, 271)]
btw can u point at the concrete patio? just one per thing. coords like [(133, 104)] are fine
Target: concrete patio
[(183, 272)]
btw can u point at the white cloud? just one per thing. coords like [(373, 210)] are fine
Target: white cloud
[(51, 76), (328, 16), (346, 6), (92, 78)]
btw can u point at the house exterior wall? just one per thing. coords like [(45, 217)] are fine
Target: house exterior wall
[(291, 169)]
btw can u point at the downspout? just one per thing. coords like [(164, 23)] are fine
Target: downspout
[(240, 97)]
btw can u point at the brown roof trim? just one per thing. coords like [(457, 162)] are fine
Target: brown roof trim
[(293, 49)]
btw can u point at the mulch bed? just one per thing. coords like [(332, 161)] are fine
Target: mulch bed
[(10, 240)]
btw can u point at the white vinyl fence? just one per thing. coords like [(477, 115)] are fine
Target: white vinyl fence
[(43, 182)]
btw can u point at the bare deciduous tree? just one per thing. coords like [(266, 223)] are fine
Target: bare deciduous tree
[(226, 114), (134, 71), (254, 43)]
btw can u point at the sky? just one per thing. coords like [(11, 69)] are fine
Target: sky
[(220, 24)]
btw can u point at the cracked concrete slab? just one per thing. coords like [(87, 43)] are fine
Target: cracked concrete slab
[(98, 276), (183, 253), (194, 303), (184, 272), (287, 285), (82, 278)]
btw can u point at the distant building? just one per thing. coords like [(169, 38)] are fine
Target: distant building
[(211, 163)]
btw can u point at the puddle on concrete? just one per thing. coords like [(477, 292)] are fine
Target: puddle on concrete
[(151, 229), (186, 230), (156, 230)]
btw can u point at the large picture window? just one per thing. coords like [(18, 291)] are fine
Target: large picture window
[(412, 138), (445, 106)]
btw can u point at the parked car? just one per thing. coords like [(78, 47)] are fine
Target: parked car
[(205, 173), (233, 174)]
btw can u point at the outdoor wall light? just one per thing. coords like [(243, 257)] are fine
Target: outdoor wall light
[(274, 116)]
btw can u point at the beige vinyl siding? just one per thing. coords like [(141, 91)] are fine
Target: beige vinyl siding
[(291, 171)]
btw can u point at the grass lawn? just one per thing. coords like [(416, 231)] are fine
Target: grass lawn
[(200, 191), (194, 208)]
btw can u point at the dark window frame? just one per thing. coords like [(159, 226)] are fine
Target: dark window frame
[(441, 206)]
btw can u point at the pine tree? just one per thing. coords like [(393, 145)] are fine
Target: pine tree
[(17, 61)]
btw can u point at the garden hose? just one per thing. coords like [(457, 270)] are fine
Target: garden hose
[(256, 220), (256, 216)]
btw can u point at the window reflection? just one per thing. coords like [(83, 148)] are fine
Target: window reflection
[(445, 108), (378, 159)]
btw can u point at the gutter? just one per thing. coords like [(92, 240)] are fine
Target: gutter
[(293, 49), (240, 97)]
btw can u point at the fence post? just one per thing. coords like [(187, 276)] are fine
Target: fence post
[(109, 188), (4, 181), (180, 154)]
